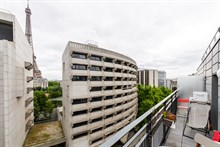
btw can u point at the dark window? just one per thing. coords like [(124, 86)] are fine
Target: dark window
[(118, 62), (95, 78), (109, 88), (79, 67), (125, 79), (109, 106), (119, 120), (118, 79), (108, 60), (79, 101), (109, 79), (6, 31), (95, 99), (118, 70), (97, 119), (96, 89), (78, 55), (96, 130), (96, 109), (108, 97), (108, 69), (109, 125), (125, 71), (80, 124), (79, 78), (82, 134), (118, 104), (97, 58), (96, 140), (108, 116), (79, 112), (95, 68), (118, 87), (118, 96), (119, 112)]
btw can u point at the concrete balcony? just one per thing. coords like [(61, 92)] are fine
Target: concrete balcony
[(28, 101), (97, 63), (96, 73), (29, 112), (79, 61)]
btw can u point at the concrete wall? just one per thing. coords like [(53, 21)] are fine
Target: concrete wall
[(13, 85), (208, 68)]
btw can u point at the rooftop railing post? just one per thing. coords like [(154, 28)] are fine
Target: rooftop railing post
[(149, 131)]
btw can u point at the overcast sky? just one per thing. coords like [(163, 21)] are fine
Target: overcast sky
[(165, 35)]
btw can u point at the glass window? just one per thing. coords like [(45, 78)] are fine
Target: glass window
[(95, 78), (79, 67), (95, 68), (97, 58), (79, 78), (78, 55)]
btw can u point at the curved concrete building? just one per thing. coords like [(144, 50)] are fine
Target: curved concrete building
[(99, 93)]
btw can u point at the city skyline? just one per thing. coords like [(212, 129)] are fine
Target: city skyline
[(173, 37)]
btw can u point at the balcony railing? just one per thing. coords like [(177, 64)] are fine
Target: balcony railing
[(144, 136)]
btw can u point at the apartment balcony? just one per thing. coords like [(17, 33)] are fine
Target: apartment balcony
[(28, 113), (28, 101), (154, 132)]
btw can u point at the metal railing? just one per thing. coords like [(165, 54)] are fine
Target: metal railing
[(153, 119)]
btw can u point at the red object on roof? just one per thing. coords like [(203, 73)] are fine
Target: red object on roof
[(183, 100)]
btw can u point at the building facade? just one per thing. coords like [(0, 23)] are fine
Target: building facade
[(148, 77), (16, 75), (162, 78), (208, 68), (99, 93)]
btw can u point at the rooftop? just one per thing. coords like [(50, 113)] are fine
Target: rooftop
[(47, 134)]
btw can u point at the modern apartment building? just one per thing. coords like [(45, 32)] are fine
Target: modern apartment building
[(99, 93), (161, 78), (148, 77), (208, 68), (16, 74)]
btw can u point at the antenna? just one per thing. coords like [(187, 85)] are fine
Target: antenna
[(28, 3)]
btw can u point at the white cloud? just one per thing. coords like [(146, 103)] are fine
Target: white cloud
[(170, 35)]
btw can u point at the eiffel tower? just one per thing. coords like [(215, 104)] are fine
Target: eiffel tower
[(28, 34)]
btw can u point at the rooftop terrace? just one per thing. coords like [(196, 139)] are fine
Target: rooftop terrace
[(45, 134)]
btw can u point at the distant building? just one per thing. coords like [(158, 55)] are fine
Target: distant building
[(99, 93), (148, 77), (162, 78), (16, 75), (40, 82), (171, 83)]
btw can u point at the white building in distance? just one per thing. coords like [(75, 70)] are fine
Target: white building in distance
[(16, 74), (99, 93), (148, 77)]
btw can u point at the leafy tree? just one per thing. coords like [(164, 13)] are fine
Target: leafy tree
[(149, 96), (42, 104)]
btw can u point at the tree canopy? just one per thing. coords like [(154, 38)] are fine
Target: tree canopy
[(149, 96)]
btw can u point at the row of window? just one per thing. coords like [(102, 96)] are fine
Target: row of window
[(100, 88), (100, 78), (100, 58), (100, 68), (87, 132), (99, 98), (79, 124), (82, 112)]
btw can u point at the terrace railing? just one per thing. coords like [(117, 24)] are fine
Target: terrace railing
[(147, 130)]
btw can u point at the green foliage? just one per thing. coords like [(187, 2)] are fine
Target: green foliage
[(149, 96), (42, 104), (54, 89)]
